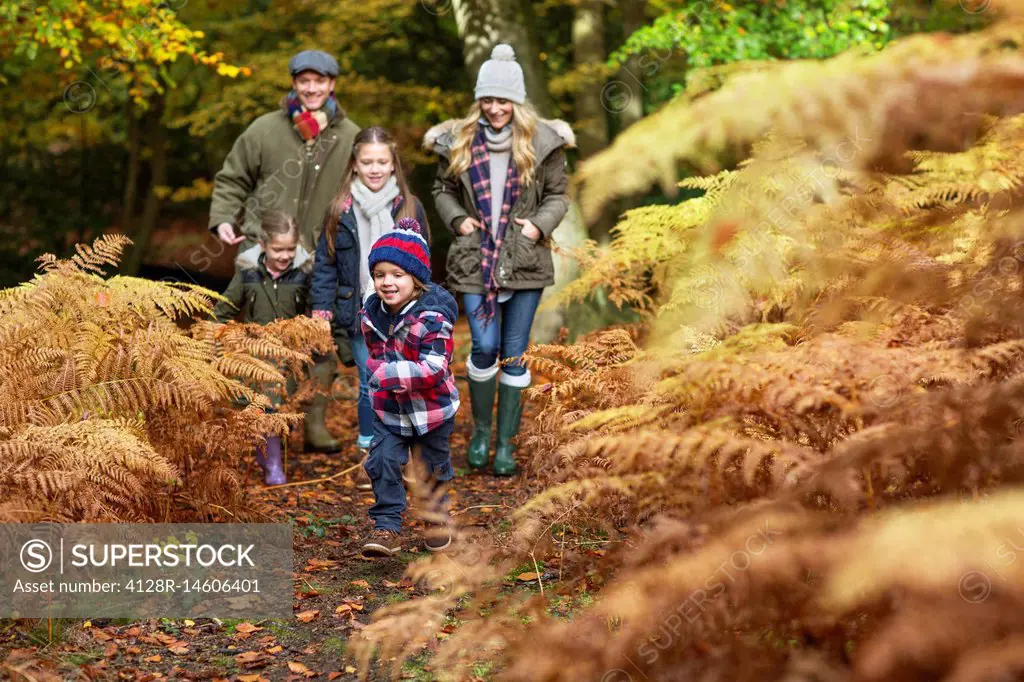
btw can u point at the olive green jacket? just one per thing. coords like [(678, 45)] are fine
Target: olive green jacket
[(522, 262), (270, 166), (259, 297)]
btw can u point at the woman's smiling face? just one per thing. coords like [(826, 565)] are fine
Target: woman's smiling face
[(497, 111)]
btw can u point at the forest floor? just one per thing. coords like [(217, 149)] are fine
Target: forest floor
[(336, 591)]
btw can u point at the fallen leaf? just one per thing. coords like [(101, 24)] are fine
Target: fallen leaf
[(251, 658), (133, 650), (275, 649), (343, 608), (360, 583), (179, 648), (100, 635), (153, 659), (333, 676), (110, 650), (247, 627), (307, 616), (300, 668), (526, 577), (319, 565), (165, 639), (350, 669), (249, 678)]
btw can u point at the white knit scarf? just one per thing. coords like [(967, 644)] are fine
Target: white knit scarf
[(373, 217)]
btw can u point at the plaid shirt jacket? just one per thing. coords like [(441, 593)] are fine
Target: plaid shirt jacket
[(412, 388)]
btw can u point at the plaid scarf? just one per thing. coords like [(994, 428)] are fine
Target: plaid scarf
[(309, 124), (490, 245)]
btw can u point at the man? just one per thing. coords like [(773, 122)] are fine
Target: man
[(290, 159)]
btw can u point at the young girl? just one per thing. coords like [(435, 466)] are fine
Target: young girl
[(373, 195), (501, 188), (271, 282), (407, 325)]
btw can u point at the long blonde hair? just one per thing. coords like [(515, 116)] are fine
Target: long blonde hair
[(524, 127), (371, 135)]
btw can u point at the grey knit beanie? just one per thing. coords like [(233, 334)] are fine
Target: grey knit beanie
[(501, 76)]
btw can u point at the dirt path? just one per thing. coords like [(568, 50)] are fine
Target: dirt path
[(336, 591)]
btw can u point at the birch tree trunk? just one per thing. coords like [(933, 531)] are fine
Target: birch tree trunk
[(483, 24)]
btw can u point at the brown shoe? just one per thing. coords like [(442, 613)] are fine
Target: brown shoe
[(382, 543), (437, 538)]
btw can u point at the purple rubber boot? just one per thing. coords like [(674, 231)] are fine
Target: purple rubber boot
[(269, 457)]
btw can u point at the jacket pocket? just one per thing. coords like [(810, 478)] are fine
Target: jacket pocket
[(249, 305), (463, 262), (530, 257), (344, 307)]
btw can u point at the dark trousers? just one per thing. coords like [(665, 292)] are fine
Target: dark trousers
[(388, 453)]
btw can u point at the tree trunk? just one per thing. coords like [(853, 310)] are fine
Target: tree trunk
[(483, 24), (630, 82), (131, 183), (588, 39), (156, 135), (589, 48)]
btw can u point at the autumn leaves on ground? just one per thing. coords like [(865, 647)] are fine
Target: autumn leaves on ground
[(336, 591)]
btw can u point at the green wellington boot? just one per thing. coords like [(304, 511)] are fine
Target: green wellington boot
[(318, 438), (481, 397), (510, 410)]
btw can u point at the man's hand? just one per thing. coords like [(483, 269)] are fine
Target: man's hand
[(226, 233), (468, 225)]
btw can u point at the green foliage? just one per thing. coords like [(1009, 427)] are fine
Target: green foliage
[(701, 35), (805, 29), (130, 38)]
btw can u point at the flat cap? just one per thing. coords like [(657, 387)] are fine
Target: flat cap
[(313, 60)]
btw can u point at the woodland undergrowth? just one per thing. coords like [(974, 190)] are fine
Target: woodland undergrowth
[(121, 402), (813, 436)]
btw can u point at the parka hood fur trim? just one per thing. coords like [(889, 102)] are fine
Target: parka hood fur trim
[(441, 135), (250, 258)]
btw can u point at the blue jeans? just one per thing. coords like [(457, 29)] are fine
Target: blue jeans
[(384, 467), (364, 407), (508, 334)]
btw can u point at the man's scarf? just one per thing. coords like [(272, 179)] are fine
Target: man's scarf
[(308, 123)]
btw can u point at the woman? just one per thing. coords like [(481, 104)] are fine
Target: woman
[(501, 188), (373, 196)]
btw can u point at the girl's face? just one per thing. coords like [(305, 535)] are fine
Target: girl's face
[(280, 251), (497, 111), (393, 285), (374, 165)]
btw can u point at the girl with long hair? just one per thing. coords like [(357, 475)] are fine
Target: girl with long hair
[(374, 195)]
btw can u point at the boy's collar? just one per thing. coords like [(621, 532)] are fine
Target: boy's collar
[(405, 309)]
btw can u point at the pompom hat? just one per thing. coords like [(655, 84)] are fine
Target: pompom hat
[(404, 247), (501, 76)]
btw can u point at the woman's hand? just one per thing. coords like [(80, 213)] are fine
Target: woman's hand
[(468, 225), (530, 231)]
